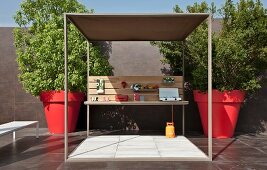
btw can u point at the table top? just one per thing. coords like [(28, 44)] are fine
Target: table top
[(137, 103)]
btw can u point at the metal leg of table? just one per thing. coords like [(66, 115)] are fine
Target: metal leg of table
[(37, 130), (172, 113), (88, 112), (14, 136), (183, 120)]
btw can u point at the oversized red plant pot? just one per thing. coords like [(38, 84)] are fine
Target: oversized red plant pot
[(53, 102), (225, 110)]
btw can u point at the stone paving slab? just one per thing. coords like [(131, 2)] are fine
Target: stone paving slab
[(135, 146)]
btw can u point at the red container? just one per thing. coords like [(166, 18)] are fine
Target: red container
[(136, 97), (121, 98), (225, 110), (53, 102)]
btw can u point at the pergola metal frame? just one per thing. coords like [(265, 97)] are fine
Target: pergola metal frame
[(66, 18)]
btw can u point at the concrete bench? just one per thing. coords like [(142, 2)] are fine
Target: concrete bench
[(12, 127)]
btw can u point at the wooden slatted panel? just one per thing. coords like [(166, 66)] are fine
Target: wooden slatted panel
[(112, 97), (109, 85), (113, 86), (133, 79), (126, 91)]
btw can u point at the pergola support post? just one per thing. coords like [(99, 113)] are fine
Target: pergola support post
[(210, 87), (88, 95), (66, 89), (183, 111)]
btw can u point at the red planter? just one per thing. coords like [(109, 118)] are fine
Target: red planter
[(225, 109), (53, 102)]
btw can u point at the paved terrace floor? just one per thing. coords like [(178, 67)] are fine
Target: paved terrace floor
[(136, 148), (245, 151)]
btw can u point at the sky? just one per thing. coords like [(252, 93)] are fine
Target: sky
[(8, 8)]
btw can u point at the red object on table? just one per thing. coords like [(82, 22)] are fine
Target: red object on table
[(136, 97), (120, 98), (124, 84)]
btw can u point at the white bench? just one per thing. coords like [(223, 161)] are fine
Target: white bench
[(17, 125)]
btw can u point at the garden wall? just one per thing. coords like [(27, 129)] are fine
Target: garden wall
[(15, 103), (127, 58)]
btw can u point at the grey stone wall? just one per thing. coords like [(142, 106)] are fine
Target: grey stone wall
[(127, 58), (15, 103)]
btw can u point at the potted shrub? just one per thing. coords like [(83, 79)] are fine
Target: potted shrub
[(40, 49), (239, 58)]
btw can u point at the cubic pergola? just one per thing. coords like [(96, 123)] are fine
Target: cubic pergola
[(138, 27)]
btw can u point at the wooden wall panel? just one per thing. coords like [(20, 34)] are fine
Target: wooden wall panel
[(113, 86)]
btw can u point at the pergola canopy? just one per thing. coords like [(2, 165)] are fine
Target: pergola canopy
[(137, 27)]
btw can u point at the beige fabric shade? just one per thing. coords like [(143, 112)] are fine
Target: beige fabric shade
[(137, 27)]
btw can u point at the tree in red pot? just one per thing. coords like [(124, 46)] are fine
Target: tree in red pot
[(40, 51), (239, 58)]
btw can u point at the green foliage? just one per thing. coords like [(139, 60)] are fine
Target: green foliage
[(242, 46), (172, 52), (40, 47), (197, 44), (239, 50), (99, 65)]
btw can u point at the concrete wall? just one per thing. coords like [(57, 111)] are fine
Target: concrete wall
[(127, 58), (15, 103)]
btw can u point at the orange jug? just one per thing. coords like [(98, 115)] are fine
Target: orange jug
[(170, 130)]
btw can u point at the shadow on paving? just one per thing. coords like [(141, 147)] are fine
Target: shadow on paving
[(29, 149)]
